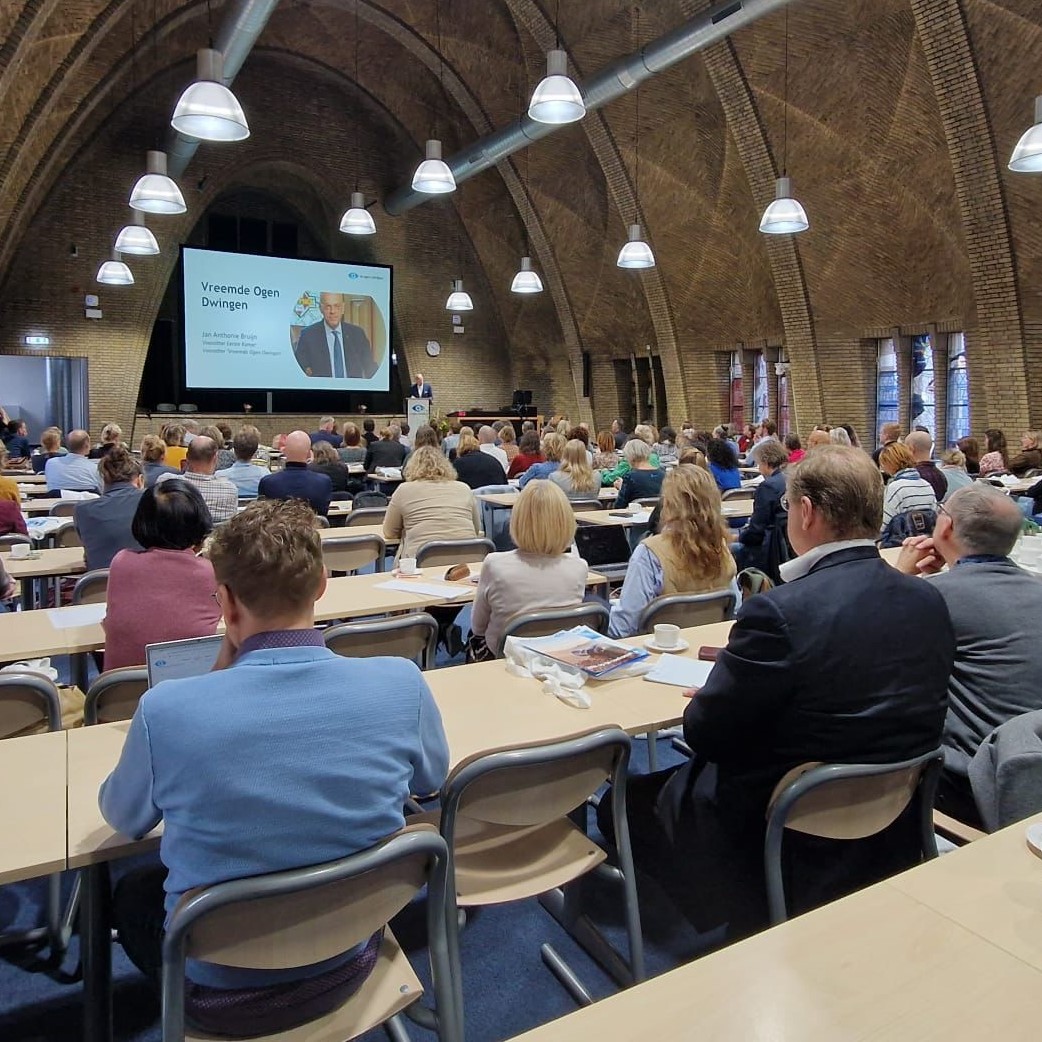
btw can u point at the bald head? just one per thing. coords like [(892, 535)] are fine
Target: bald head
[(297, 448), (201, 457), (78, 442), (920, 444), (486, 436), (984, 520)]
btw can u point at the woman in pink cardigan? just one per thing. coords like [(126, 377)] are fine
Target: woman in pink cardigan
[(166, 591)]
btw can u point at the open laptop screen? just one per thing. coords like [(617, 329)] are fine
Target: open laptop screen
[(177, 659)]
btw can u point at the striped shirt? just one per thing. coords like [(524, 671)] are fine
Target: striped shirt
[(906, 491)]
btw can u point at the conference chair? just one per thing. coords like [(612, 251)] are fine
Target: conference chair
[(585, 504), (307, 915), (92, 587), (649, 502), (370, 499), (1006, 769), (737, 493), (348, 553), (506, 818), (13, 539), (365, 516), (412, 636), (67, 508), (30, 704), (846, 801), (67, 536), (550, 620), (447, 552), (321, 522), (114, 695), (688, 609)]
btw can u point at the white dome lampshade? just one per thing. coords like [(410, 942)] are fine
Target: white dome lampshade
[(115, 273), (135, 238), (785, 216), (636, 253), (459, 300), (154, 191), (557, 99), (357, 220), (208, 110), (1027, 156), (526, 280), (433, 176)]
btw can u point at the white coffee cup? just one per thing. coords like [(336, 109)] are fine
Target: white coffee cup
[(20, 550), (407, 566), (667, 635)]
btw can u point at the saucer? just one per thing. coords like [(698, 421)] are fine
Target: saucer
[(681, 645), (1034, 838), (412, 575)]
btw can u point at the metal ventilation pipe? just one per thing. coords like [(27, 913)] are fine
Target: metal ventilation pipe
[(235, 39), (613, 82)]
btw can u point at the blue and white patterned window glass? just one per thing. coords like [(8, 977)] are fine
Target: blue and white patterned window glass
[(888, 402), (922, 412), (761, 401), (958, 389), (737, 391)]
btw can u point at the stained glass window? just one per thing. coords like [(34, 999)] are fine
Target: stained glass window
[(888, 402), (958, 389), (922, 412)]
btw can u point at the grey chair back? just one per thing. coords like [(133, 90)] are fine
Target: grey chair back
[(305, 915), (585, 504), (550, 620), (738, 493), (446, 552), (846, 801), (114, 695), (64, 509), (365, 516), (13, 539), (91, 588), (688, 609), (67, 536), (1006, 771), (348, 553), (28, 703), (412, 636), (321, 522), (649, 502)]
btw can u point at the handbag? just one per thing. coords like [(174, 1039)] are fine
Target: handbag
[(477, 650)]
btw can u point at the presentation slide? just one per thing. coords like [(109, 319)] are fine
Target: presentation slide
[(276, 324)]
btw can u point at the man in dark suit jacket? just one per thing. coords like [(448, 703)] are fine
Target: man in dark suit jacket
[(847, 662), (334, 347), (419, 388), (296, 481), (104, 524)]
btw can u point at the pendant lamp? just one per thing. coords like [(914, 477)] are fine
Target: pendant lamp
[(636, 253), (1027, 156), (357, 220), (557, 99), (433, 176), (154, 191), (115, 273), (459, 300), (135, 238), (208, 110), (526, 280)]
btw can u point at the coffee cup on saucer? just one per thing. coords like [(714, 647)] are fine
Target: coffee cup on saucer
[(20, 550), (407, 566), (667, 635)]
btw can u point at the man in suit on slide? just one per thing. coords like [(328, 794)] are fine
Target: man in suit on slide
[(420, 389), (334, 347)]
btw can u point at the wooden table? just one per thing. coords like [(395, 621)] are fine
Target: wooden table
[(32, 488), (612, 518), (42, 506), (26, 477), (64, 560)]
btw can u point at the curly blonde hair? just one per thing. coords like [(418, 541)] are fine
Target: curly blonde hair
[(576, 464), (692, 520), (428, 464)]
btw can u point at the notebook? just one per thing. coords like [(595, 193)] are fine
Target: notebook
[(177, 659)]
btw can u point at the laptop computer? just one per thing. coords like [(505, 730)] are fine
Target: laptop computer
[(177, 659)]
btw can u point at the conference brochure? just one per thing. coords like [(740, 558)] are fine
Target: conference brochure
[(585, 649)]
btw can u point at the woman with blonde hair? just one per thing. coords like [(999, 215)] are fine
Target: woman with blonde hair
[(153, 459), (430, 504), (689, 555), (575, 477), (553, 446), (508, 441), (543, 572)]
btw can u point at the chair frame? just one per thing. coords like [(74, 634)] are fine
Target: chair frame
[(585, 504), (349, 542), (738, 493), (389, 625), (576, 615), (436, 546), (14, 539), (929, 766), (365, 516), (86, 582), (446, 1019), (561, 903), (104, 683), (726, 598), (65, 509)]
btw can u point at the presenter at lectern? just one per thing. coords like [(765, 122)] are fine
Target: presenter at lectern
[(420, 389)]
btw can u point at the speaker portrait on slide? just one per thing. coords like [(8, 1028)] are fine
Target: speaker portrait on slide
[(331, 346)]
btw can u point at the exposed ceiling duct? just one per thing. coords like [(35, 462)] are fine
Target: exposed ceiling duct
[(617, 79)]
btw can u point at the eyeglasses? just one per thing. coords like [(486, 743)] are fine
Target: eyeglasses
[(785, 503), (942, 509)]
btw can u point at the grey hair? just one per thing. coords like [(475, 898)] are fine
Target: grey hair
[(985, 520), (636, 451), (838, 436)]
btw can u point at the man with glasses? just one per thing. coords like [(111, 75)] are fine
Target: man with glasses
[(995, 608)]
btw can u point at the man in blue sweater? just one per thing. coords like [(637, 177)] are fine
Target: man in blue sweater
[(285, 755)]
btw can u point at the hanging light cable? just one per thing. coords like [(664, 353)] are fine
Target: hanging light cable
[(526, 280), (785, 215), (357, 220), (433, 176), (1027, 156), (636, 253), (557, 99)]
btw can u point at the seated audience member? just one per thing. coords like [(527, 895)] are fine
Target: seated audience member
[(812, 672), (607, 455), (574, 476), (17, 444), (543, 572), (995, 607), (73, 472), (295, 481), (327, 432), (219, 494), (163, 590), (888, 434), (192, 431), (528, 454), (426, 435), (618, 431), (451, 440), (475, 468), (723, 465), (111, 436), (996, 459), (352, 450), (794, 447), (387, 452), (552, 447), (8, 486), (404, 435), (336, 771), (953, 467), (855, 441), (7, 590), (1030, 455), (487, 442), (368, 431), (50, 446), (244, 474), (326, 461), (753, 548), (817, 438), (838, 436), (688, 555), (921, 447), (970, 448), (176, 451), (12, 520), (430, 504), (225, 456), (643, 480), (905, 490), (666, 447), (153, 456), (104, 524), (508, 442)]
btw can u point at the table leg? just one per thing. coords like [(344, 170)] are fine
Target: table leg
[(96, 954)]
